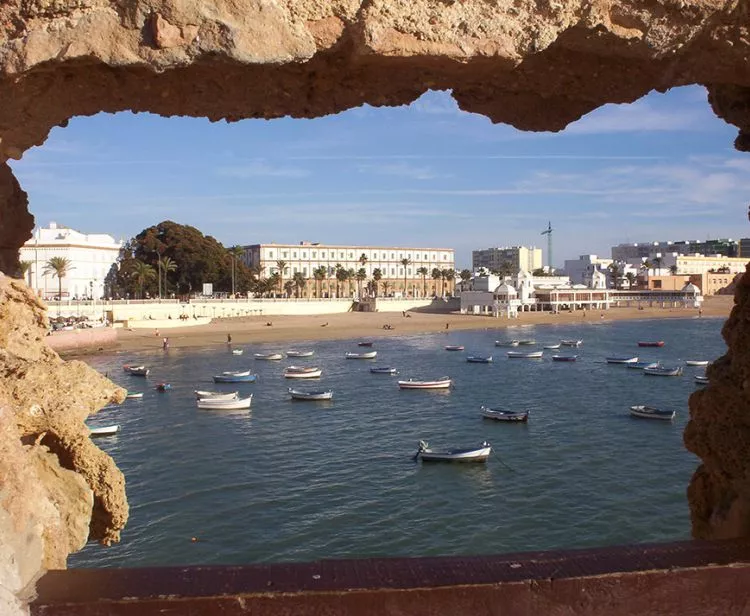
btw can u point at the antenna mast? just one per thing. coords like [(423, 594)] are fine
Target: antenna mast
[(548, 233)]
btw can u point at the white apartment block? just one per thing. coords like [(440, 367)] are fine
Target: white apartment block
[(91, 256), (306, 257), (581, 270), (700, 264), (518, 258)]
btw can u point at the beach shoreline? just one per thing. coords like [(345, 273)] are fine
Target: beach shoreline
[(369, 326)]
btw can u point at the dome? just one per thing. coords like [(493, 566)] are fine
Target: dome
[(506, 289), (691, 288)]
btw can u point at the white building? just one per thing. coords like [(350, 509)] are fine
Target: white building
[(582, 269), (306, 257), (701, 264), (512, 258), (91, 256)]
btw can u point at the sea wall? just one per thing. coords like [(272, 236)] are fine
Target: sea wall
[(79, 339)]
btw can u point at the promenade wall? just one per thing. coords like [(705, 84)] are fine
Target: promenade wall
[(80, 339)]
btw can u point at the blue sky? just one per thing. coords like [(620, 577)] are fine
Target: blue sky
[(428, 174)]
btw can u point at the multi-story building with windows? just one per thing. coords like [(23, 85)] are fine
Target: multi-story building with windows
[(649, 250), (306, 258), (513, 258), (90, 257)]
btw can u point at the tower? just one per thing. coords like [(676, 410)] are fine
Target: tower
[(548, 233)]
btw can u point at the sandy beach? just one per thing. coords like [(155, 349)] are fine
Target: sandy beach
[(368, 325)]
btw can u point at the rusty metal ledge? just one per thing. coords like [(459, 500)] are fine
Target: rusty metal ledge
[(685, 578)]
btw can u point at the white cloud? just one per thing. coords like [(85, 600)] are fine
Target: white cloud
[(259, 168), (403, 170)]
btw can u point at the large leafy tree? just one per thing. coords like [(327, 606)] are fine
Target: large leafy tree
[(200, 258)]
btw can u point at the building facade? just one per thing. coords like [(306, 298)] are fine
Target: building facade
[(700, 264), (306, 258), (648, 250), (90, 257), (511, 259), (583, 270)]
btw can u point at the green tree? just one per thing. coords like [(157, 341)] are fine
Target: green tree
[(320, 274), (657, 261), (273, 283), (361, 276), (673, 269), (300, 282), (281, 265), (630, 277), (465, 277), (615, 271), (235, 253), (437, 274), (60, 267), (165, 265), (423, 271), (449, 275), (386, 286), (363, 259), (505, 269), (404, 263), (377, 276), (143, 274), (289, 287), (341, 277)]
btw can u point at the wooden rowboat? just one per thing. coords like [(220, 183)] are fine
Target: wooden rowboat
[(474, 454), (104, 430), (293, 353), (299, 372), (652, 343), (503, 415), (442, 383), (651, 412), (367, 355), (525, 354), (216, 395), (298, 394), (225, 405)]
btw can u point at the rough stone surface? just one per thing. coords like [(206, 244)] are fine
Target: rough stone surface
[(58, 489)]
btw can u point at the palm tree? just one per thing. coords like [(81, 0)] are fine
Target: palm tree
[(58, 266), (423, 271), (282, 266), (363, 259), (342, 275), (166, 265), (386, 284), (235, 252), (300, 282), (289, 287), (25, 269), (465, 277), (436, 275), (377, 275), (361, 276), (404, 263), (450, 276), (142, 273), (320, 273), (615, 272), (657, 262), (274, 281), (630, 277)]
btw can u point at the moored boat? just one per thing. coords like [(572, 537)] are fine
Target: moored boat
[(478, 359), (454, 347), (508, 343), (551, 347), (367, 355), (235, 377), (640, 365), (696, 362), (216, 395), (104, 430), (662, 371), (571, 343), (268, 356), (237, 351), (300, 372), (621, 360), (224, 405), (138, 370), (295, 353), (384, 370), (441, 383), (525, 354), (298, 394), (134, 395), (163, 386), (651, 412), (701, 380), (526, 342), (564, 357), (365, 343), (472, 454), (503, 415), (651, 343)]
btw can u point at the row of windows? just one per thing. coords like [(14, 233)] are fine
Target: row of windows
[(332, 271), (313, 255)]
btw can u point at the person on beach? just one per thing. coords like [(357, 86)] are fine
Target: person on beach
[(165, 343), (229, 338), (447, 325)]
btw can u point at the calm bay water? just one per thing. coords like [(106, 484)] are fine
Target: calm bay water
[(300, 481)]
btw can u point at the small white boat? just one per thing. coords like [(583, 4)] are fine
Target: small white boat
[(503, 415), (134, 395), (662, 371), (477, 359), (442, 383), (640, 365), (293, 353), (696, 362), (508, 343), (367, 355), (138, 370), (651, 412), (384, 370), (454, 347), (622, 360), (298, 394), (236, 373), (216, 395), (564, 357), (701, 380), (525, 354), (571, 343), (552, 346), (299, 372), (104, 430), (475, 454), (268, 356), (225, 405), (237, 351), (526, 342)]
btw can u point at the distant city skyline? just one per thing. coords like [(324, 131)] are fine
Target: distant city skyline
[(427, 174)]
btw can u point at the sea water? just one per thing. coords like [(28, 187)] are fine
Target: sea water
[(300, 481)]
